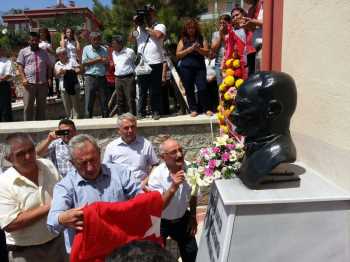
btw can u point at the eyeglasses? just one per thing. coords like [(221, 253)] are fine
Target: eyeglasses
[(175, 152)]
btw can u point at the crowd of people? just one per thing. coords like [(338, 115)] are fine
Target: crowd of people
[(43, 194), (115, 75)]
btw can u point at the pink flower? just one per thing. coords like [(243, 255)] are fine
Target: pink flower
[(212, 164), (216, 149), (204, 151), (230, 146), (225, 156), (208, 172)]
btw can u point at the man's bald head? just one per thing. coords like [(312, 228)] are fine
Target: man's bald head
[(172, 154)]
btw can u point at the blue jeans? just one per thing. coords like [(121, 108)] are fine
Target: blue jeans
[(191, 77)]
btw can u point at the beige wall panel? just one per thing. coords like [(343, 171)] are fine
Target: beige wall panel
[(316, 52)]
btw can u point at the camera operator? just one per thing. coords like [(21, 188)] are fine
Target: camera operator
[(149, 37), (55, 146)]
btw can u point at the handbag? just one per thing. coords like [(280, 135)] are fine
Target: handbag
[(142, 67), (70, 80)]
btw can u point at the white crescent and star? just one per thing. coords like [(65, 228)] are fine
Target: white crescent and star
[(155, 227)]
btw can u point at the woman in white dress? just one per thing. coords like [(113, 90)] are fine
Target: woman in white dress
[(70, 42)]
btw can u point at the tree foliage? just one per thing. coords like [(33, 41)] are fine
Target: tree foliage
[(61, 22), (12, 41), (118, 18)]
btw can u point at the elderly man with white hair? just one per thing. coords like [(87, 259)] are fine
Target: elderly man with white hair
[(89, 182), (179, 215), (131, 150), (66, 71)]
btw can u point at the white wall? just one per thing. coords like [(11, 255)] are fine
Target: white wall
[(316, 52)]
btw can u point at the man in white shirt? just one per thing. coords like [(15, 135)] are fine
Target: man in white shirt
[(5, 87), (125, 85), (149, 40), (131, 150), (25, 198), (177, 221)]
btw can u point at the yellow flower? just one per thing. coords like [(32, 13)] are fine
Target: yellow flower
[(228, 63), (224, 129), (222, 87), (220, 116), (239, 82), (230, 72), (227, 113), (229, 80), (236, 63), (228, 96)]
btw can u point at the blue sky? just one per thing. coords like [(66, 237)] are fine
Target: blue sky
[(31, 4)]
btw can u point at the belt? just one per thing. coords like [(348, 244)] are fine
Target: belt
[(95, 76), (125, 76), (174, 221), (20, 248)]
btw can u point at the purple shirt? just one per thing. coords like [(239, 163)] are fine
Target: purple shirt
[(35, 64)]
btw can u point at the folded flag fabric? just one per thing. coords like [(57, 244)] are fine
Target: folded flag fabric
[(108, 226)]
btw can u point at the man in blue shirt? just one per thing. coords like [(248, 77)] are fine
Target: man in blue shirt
[(94, 60), (90, 182)]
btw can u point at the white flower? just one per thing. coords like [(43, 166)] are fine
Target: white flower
[(217, 174), (208, 180), (200, 169), (233, 156), (236, 166), (221, 140), (4, 31)]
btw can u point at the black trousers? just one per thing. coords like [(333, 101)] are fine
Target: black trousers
[(178, 231), (3, 247), (126, 94), (5, 101), (150, 84), (251, 63)]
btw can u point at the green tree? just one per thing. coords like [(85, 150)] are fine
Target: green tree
[(61, 22), (118, 18)]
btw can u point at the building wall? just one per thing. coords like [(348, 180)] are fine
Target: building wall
[(315, 51)]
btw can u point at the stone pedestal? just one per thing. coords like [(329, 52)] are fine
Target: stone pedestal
[(303, 222)]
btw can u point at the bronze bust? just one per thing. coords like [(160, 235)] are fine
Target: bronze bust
[(265, 104)]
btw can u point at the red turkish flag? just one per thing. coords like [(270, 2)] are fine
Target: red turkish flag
[(108, 226)]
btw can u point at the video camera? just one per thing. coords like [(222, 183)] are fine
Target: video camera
[(142, 14)]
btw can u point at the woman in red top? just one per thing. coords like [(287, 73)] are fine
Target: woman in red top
[(253, 25)]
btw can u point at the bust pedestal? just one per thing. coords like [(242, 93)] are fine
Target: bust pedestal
[(304, 222)]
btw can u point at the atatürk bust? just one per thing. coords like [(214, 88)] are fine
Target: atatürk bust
[(265, 104)]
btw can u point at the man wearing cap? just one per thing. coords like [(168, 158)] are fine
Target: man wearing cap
[(124, 63), (149, 38), (94, 60)]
